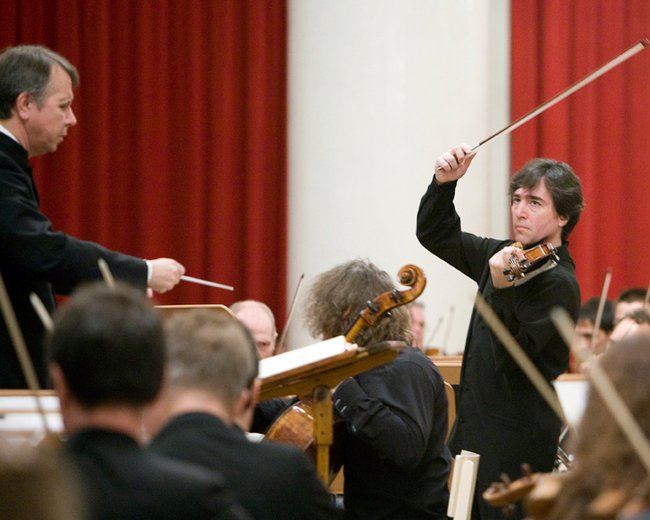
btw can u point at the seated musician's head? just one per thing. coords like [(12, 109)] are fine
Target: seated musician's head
[(337, 296), (260, 321), (629, 300), (107, 348), (586, 323), (608, 475), (213, 359)]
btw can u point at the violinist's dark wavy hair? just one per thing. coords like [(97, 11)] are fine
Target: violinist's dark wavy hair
[(604, 458), (27, 68), (110, 346), (562, 183), (337, 296)]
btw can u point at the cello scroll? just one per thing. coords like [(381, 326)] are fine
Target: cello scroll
[(409, 275)]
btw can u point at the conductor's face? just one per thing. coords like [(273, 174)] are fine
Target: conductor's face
[(47, 123)]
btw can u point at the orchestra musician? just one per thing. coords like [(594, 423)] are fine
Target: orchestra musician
[(260, 321), (608, 480), (37, 482), (36, 94), (501, 416), (627, 301), (585, 326), (395, 461), (207, 407), (108, 353)]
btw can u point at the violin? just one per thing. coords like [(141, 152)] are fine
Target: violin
[(537, 259), (295, 425), (537, 492)]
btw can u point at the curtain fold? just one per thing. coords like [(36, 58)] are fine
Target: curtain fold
[(601, 130), (180, 148)]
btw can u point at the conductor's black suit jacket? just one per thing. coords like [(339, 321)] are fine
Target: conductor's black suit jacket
[(36, 259)]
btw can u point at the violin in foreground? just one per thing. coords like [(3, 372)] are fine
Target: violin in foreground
[(537, 259)]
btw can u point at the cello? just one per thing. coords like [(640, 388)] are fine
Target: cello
[(296, 424)]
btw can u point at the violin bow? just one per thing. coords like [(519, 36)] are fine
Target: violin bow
[(601, 308), (42, 312), (21, 351), (520, 357), (641, 45), (106, 273), (279, 346), (603, 385)]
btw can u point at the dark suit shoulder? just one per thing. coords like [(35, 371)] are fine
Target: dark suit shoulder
[(122, 480)]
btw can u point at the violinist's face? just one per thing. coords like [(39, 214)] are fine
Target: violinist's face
[(534, 218)]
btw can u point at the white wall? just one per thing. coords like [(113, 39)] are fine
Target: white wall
[(377, 90)]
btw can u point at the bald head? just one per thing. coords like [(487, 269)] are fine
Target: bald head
[(259, 320)]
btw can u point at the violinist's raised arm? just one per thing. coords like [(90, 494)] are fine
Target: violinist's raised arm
[(501, 416)]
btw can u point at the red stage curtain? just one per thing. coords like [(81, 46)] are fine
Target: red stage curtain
[(180, 148), (601, 130)]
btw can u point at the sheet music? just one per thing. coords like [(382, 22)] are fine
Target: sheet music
[(303, 356)]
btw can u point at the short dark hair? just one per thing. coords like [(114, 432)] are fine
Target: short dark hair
[(27, 68), (561, 182), (110, 346), (634, 294), (589, 311)]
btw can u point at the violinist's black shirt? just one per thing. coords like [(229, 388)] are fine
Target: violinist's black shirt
[(501, 415)]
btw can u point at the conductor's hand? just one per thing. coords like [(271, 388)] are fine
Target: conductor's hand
[(165, 274), (452, 165)]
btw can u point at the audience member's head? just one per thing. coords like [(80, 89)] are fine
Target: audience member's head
[(260, 322), (587, 321), (417, 323), (337, 297), (628, 301), (606, 465), (37, 483), (107, 349)]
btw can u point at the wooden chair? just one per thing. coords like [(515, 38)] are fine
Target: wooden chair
[(451, 399)]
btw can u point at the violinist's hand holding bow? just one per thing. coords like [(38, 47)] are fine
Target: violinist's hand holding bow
[(500, 265), (452, 165)]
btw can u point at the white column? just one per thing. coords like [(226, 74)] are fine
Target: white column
[(377, 90)]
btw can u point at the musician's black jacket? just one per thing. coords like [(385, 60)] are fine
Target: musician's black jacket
[(395, 461), (501, 415)]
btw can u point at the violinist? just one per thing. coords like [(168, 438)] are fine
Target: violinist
[(501, 416), (395, 461)]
